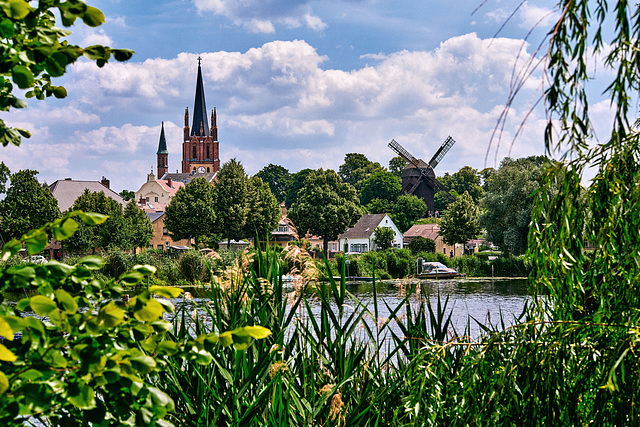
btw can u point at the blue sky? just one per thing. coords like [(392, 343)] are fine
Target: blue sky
[(296, 83)]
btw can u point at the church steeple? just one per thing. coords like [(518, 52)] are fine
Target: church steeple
[(162, 154), (200, 123)]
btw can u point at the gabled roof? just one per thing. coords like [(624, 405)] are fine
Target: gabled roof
[(428, 231), (154, 216), (364, 227), (162, 144), (171, 190), (66, 191), (199, 108)]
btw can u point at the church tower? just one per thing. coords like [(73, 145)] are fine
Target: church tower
[(200, 144), (162, 155)]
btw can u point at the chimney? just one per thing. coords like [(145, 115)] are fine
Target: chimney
[(169, 182), (104, 181)]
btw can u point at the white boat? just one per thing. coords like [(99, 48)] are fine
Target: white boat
[(437, 270)]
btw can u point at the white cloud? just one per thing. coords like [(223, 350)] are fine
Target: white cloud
[(97, 37), (262, 16)]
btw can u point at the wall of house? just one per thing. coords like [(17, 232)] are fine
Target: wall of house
[(161, 238)]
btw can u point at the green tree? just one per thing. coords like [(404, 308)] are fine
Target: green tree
[(356, 168), (407, 211), (508, 202), (264, 211), (378, 206), (231, 193), (33, 51), (111, 233), (421, 244), (383, 238), (5, 174), (326, 206), (461, 222), (397, 165), (277, 178), (297, 182), (138, 227), (381, 185), (27, 205), (466, 179), (127, 195), (190, 214)]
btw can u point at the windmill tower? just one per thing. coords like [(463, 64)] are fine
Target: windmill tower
[(418, 177)]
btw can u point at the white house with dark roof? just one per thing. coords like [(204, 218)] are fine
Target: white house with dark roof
[(360, 237)]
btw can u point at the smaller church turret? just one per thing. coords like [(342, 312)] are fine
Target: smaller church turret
[(162, 154)]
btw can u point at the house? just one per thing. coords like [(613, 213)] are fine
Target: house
[(360, 237), (432, 232), (67, 190), (156, 194), (285, 232), (161, 238)]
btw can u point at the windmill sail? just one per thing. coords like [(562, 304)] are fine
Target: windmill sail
[(444, 148)]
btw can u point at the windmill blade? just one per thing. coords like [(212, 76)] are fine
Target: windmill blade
[(399, 149), (444, 148)]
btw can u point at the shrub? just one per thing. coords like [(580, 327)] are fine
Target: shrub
[(193, 266), (422, 244), (116, 263)]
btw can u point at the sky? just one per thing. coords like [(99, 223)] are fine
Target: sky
[(297, 83)]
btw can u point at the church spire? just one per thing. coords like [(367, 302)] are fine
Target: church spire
[(162, 155), (199, 107)]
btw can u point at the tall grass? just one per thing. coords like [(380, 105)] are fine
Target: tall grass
[(332, 360)]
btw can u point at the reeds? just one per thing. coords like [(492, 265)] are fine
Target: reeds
[(335, 361)]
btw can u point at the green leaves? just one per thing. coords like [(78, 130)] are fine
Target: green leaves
[(241, 338), (15, 9)]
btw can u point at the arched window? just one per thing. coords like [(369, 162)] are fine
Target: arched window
[(194, 151), (208, 157), (207, 170)]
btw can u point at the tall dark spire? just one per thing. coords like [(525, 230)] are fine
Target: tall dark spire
[(162, 144), (200, 123)]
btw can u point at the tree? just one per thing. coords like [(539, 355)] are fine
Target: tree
[(296, 183), (383, 237), (397, 165), (127, 195), (278, 179), (466, 179), (381, 185), (231, 194), (508, 202), (34, 51), (111, 233), (5, 174), (27, 205), (421, 244), (264, 211), (378, 206), (407, 211), (139, 229), (326, 206), (461, 222), (356, 168), (190, 213)]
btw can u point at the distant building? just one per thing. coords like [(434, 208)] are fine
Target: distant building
[(156, 194), (200, 145), (161, 238), (361, 237), (67, 190), (432, 232)]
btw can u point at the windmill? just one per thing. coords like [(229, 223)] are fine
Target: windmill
[(418, 177)]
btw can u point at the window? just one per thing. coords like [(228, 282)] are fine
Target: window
[(283, 229), (165, 232), (161, 247), (156, 200), (194, 151), (147, 199), (208, 157)]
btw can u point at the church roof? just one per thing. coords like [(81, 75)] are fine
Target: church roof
[(199, 108), (162, 145), (186, 177)]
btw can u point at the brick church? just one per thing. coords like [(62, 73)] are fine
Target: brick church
[(200, 146)]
